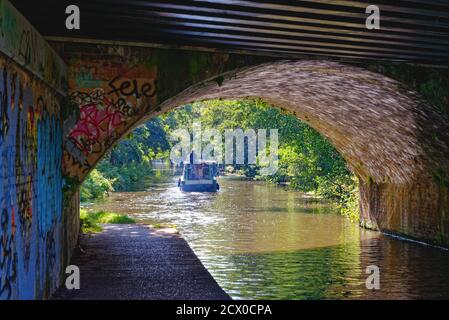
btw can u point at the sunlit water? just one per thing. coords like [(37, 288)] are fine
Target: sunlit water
[(261, 241)]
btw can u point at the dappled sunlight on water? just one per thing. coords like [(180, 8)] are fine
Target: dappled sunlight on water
[(263, 241)]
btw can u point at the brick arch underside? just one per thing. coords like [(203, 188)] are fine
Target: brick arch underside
[(394, 142)]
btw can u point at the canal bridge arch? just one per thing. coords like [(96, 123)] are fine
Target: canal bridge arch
[(69, 109), (396, 143)]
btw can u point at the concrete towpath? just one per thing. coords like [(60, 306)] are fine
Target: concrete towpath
[(136, 262)]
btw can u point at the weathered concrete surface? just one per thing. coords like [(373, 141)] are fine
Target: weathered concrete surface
[(139, 263)]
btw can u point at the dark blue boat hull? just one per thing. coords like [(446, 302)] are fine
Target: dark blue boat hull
[(199, 187)]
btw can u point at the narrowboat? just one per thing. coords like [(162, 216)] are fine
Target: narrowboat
[(199, 177)]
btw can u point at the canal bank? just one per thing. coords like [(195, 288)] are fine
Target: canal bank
[(135, 262)]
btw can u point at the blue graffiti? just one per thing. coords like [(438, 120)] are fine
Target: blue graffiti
[(30, 188)]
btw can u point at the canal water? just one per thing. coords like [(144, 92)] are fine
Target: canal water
[(261, 241)]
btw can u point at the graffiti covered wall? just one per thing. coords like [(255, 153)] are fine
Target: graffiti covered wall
[(108, 94), (30, 186), (31, 221)]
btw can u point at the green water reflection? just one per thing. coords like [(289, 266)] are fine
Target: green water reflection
[(262, 241)]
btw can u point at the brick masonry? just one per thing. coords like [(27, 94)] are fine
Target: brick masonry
[(397, 144)]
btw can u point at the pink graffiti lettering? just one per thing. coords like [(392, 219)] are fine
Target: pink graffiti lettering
[(97, 122)]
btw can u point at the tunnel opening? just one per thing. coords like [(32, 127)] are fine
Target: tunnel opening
[(294, 211), (225, 132)]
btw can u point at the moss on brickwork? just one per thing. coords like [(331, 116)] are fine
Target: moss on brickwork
[(442, 239), (431, 83), (441, 176), (69, 108)]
